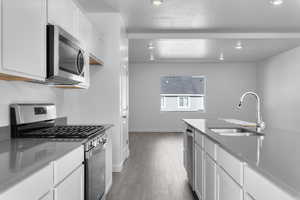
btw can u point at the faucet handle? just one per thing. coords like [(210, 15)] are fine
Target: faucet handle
[(261, 125)]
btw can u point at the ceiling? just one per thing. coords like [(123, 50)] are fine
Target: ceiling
[(184, 18), (203, 15), (208, 50)]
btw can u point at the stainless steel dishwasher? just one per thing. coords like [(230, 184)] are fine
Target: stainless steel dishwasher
[(189, 155)]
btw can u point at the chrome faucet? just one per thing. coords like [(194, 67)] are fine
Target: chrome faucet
[(259, 124)]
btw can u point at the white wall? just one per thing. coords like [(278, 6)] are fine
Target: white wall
[(24, 92), (101, 102), (279, 87), (225, 84)]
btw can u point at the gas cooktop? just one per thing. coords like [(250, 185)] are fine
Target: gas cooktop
[(64, 132)]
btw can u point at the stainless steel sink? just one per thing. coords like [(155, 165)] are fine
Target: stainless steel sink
[(234, 132)]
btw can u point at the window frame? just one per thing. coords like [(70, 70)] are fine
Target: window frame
[(162, 99), (184, 110)]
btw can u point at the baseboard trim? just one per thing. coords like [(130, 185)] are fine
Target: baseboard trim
[(117, 168)]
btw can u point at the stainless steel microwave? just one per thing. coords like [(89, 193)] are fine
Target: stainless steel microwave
[(66, 60)]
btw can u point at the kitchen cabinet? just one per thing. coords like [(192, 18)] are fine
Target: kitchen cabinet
[(248, 197), (198, 167), (39, 184), (72, 187), (48, 196), (23, 41), (227, 188), (65, 14), (231, 165), (210, 178)]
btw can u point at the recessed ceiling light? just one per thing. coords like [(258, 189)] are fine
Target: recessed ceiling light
[(221, 56), (239, 45), (151, 46), (157, 2), (276, 2)]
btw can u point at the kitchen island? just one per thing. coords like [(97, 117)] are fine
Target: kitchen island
[(259, 167)]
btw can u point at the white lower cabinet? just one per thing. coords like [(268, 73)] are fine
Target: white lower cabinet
[(248, 197), (35, 187), (48, 196), (198, 171), (227, 188), (210, 178), (71, 188)]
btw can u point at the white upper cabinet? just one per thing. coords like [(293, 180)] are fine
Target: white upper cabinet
[(65, 14), (23, 44)]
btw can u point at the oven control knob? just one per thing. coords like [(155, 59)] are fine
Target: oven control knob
[(95, 143)]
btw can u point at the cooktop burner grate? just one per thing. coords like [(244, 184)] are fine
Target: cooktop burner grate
[(65, 132)]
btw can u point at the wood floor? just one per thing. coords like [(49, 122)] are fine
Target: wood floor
[(154, 170)]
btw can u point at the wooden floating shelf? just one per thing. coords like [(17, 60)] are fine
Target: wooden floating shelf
[(6, 77), (94, 61)]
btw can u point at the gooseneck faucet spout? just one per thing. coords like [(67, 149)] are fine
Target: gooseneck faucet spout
[(260, 124)]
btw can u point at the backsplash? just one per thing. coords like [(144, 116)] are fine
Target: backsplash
[(24, 92)]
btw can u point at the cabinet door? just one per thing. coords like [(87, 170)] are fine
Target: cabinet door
[(38, 184), (248, 197), (48, 196), (71, 188), (210, 178), (227, 188), (64, 13), (198, 171), (24, 38)]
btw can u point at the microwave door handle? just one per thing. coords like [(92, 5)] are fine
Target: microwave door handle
[(79, 62)]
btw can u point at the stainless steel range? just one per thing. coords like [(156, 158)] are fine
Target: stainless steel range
[(38, 121)]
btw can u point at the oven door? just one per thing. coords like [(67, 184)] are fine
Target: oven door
[(95, 173), (66, 61)]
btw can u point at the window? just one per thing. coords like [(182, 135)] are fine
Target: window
[(182, 93), (162, 102), (183, 102)]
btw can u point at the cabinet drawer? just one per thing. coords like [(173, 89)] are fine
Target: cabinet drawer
[(210, 148), (71, 188), (68, 163), (32, 188), (199, 138), (231, 165), (261, 188)]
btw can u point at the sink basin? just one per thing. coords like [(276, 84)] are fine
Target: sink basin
[(234, 132)]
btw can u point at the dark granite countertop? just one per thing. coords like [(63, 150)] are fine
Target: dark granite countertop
[(20, 158), (276, 155)]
